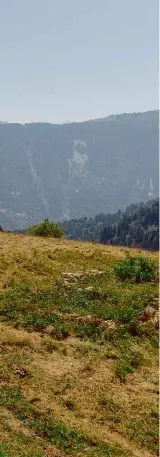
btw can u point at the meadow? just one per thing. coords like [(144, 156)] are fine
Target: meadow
[(78, 351)]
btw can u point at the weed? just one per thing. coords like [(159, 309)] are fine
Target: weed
[(123, 369), (136, 269), (130, 360), (85, 331), (136, 359)]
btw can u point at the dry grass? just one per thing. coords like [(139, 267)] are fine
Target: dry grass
[(85, 388)]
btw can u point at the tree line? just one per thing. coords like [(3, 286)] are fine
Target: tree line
[(138, 226)]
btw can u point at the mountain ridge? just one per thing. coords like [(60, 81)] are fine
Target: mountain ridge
[(77, 169), (109, 117)]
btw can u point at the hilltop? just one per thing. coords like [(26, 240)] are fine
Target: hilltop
[(79, 351), (77, 170)]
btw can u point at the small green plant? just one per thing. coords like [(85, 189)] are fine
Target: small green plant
[(46, 228), (136, 359), (122, 369), (136, 269)]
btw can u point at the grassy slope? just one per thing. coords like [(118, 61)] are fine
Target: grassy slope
[(90, 388)]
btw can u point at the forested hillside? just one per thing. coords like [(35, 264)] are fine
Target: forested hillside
[(138, 225)]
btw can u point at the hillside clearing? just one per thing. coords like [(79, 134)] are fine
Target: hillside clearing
[(78, 356)]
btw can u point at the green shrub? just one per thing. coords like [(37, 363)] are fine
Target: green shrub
[(46, 228), (122, 369), (136, 269), (136, 359)]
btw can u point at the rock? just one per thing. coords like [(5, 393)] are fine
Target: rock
[(89, 288), (78, 274), (96, 272), (110, 324), (68, 285), (156, 301), (49, 330), (155, 320), (68, 277), (67, 274), (20, 372), (148, 313)]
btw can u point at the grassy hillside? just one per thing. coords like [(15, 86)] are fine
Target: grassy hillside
[(78, 366)]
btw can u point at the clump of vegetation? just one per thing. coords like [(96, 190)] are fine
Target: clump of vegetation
[(123, 368), (46, 228), (136, 269)]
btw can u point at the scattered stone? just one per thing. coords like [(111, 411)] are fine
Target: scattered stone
[(20, 372), (68, 285), (148, 313), (155, 320), (110, 325), (49, 330), (72, 276), (89, 288), (78, 274), (156, 301), (96, 272)]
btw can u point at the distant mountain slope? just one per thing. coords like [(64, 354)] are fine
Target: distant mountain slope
[(75, 170)]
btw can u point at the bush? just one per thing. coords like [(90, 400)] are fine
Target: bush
[(46, 228), (136, 269), (123, 369)]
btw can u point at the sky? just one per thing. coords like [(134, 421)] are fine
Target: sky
[(73, 60)]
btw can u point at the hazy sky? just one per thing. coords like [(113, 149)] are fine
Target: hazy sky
[(71, 60)]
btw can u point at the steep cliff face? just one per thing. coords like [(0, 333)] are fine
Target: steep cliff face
[(75, 170)]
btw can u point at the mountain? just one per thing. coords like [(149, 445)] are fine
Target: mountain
[(75, 170)]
